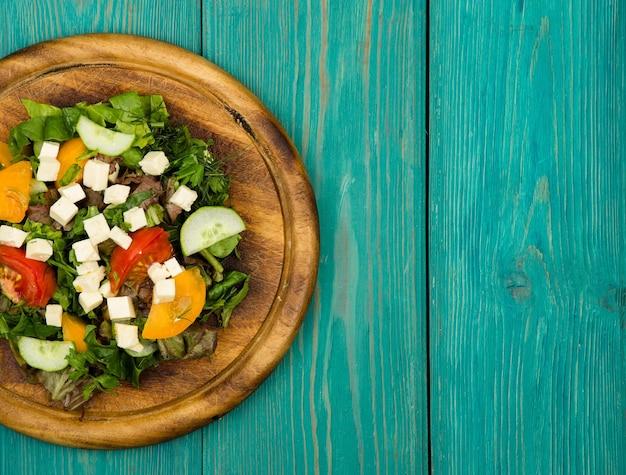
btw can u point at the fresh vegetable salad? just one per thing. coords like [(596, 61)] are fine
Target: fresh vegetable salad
[(114, 232)]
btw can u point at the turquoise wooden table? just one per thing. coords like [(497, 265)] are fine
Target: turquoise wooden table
[(468, 163)]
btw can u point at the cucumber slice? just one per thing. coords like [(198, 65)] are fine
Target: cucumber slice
[(37, 186), (44, 354), (208, 225), (106, 141)]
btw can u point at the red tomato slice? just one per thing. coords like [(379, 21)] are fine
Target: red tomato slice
[(149, 245), (21, 278)]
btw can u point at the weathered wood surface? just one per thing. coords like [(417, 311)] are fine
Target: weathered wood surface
[(527, 237), (347, 82)]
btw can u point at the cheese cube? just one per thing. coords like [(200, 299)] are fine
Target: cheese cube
[(48, 170), (120, 308), (97, 228), (89, 282), (136, 217), (158, 271), (173, 267), (184, 197), (164, 291), (105, 290), (85, 251), (73, 192), (120, 237), (113, 175), (96, 175), (63, 211), (116, 194), (49, 150), (10, 236), (39, 249), (87, 267), (54, 314), (90, 300), (154, 163), (127, 336)]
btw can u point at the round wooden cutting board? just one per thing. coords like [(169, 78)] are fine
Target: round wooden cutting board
[(280, 249)]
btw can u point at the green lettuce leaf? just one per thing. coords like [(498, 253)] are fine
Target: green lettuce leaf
[(197, 341)]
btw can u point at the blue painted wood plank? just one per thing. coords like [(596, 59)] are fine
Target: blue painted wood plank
[(27, 22), (21, 455), (527, 237), (347, 81)]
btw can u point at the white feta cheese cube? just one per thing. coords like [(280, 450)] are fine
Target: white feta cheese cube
[(158, 271), (10, 236), (73, 192), (86, 267), (116, 194), (90, 300), (85, 251), (127, 336), (63, 211), (90, 282), (39, 249), (164, 291), (154, 163), (120, 237), (48, 170), (136, 217), (120, 308), (184, 197), (105, 290), (113, 175), (173, 267), (49, 150), (97, 228), (96, 175), (54, 314)]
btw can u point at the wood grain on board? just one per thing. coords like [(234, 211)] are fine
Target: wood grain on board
[(280, 249)]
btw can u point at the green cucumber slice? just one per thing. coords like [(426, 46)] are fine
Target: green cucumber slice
[(37, 186), (208, 225), (46, 355), (106, 141)]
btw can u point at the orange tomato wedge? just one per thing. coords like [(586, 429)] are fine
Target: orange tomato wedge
[(74, 329), (15, 191), (5, 155), (69, 152), (169, 319)]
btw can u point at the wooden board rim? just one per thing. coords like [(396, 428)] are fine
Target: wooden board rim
[(160, 423)]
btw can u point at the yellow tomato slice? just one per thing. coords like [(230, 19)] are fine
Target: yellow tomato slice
[(5, 155), (15, 191), (69, 152), (172, 318), (74, 329)]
